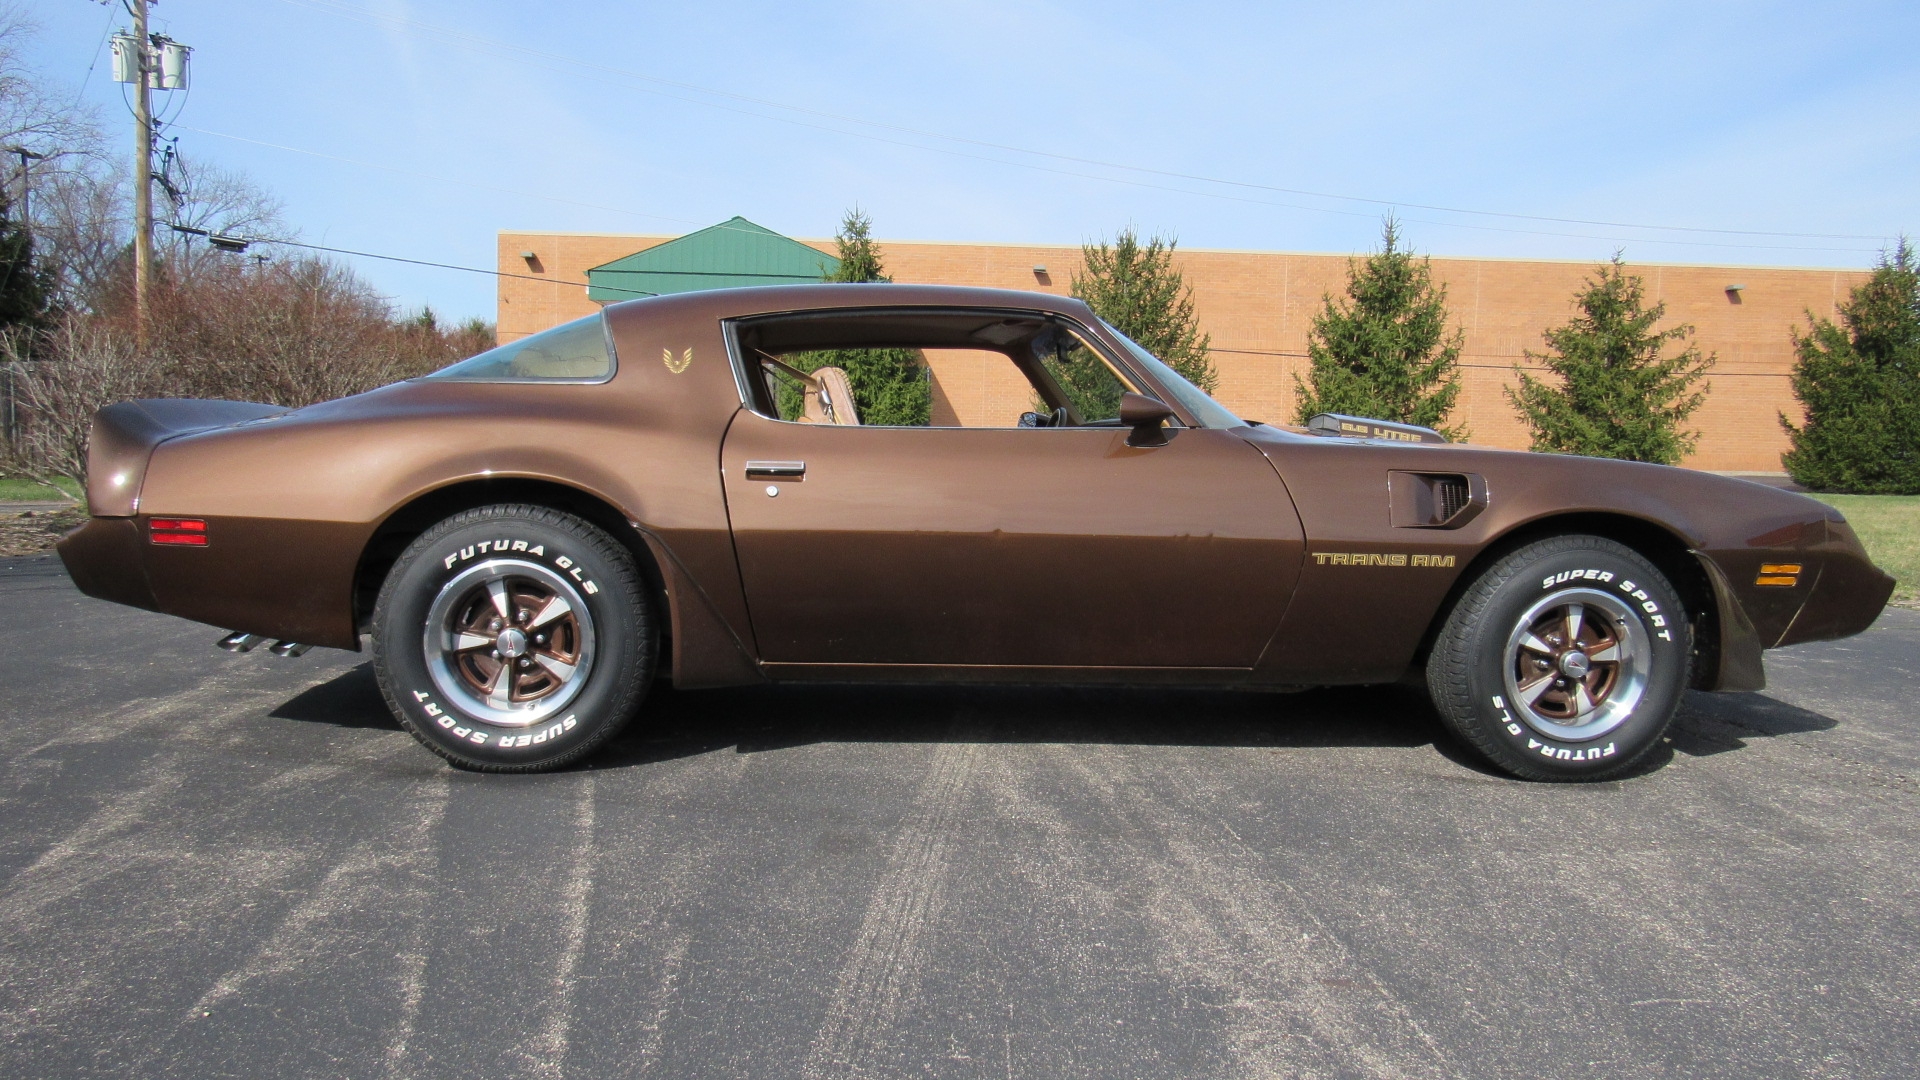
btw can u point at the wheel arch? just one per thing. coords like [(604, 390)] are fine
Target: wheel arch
[(1666, 550), (420, 513)]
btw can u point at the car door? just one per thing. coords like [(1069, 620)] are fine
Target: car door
[(1040, 546)]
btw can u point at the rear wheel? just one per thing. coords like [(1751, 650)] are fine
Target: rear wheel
[(513, 638), (1565, 660)]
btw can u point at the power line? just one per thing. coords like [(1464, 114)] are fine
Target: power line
[(1061, 172), (429, 262), (437, 179), (638, 293), (353, 12)]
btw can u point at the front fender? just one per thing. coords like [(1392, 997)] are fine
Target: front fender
[(1736, 650)]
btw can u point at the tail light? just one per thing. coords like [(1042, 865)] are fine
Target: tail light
[(178, 532)]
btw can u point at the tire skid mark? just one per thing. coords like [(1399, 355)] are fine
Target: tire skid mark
[(546, 1053), (646, 1048), (83, 959), (422, 883), (883, 967), (1262, 946), (124, 810), (413, 986), (161, 713), (355, 881)]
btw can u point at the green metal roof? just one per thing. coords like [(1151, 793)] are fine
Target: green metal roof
[(729, 255)]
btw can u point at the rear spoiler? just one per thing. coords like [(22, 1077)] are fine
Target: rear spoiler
[(124, 436), (1340, 425)]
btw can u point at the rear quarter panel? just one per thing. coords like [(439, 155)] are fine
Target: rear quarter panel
[(291, 502)]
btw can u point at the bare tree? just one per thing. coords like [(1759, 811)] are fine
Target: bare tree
[(216, 200), (82, 226), (78, 214), (86, 365), (32, 114)]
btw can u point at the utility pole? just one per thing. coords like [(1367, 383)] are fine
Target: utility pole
[(142, 175), (150, 62), (9, 409), (26, 157)]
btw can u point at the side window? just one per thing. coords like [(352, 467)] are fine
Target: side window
[(871, 387), (980, 388), (1090, 386), (575, 350), (819, 387), (947, 368)]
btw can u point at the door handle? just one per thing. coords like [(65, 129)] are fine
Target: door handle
[(776, 470)]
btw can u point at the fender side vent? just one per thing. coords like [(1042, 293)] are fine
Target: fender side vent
[(1434, 500)]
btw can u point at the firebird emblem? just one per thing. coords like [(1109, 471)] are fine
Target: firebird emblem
[(676, 366)]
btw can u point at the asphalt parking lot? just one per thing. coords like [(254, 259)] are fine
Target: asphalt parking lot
[(220, 865)]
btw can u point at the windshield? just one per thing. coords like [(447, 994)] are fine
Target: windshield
[(572, 351), (1207, 411)]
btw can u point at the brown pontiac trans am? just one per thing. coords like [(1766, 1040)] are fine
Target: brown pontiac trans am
[(675, 486)]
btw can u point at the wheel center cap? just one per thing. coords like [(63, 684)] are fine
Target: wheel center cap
[(511, 643), (1574, 665)]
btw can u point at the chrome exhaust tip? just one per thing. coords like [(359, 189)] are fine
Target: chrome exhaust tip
[(288, 648), (239, 641)]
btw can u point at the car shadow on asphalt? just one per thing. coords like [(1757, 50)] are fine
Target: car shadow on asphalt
[(747, 720), (350, 699)]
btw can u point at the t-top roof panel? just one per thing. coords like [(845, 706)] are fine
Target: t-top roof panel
[(732, 254)]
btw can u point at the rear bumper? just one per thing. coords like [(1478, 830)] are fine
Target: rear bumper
[(107, 561)]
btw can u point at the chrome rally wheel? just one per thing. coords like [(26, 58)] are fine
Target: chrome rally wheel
[(1577, 664), (509, 640), (1566, 659)]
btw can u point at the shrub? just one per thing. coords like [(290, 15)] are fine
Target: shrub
[(1385, 351), (1138, 292), (1859, 380), (891, 387), (288, 333), (1616, 395)]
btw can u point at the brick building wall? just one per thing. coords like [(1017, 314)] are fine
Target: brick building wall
[(1257, 305)]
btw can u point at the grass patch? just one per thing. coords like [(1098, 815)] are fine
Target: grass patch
[(16, 490), (1889, 525)]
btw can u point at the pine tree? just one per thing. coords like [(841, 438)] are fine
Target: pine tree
[(891, 387), (1615, 396), (1137, 290), (1384, 352), (23, 286), (1859, 381)]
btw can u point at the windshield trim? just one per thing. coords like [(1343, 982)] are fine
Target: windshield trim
[(1179, 386)]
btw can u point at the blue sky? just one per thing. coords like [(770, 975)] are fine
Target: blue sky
[(421, 129)]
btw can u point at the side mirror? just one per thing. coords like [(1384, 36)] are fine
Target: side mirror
[(1144, 415)]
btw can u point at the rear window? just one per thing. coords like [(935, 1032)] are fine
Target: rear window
[(575, 351)]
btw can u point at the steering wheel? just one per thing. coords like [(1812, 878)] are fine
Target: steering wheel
[(1056, 418)]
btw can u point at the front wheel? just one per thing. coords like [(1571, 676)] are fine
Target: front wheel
[(1564, 660), (513, 638)]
